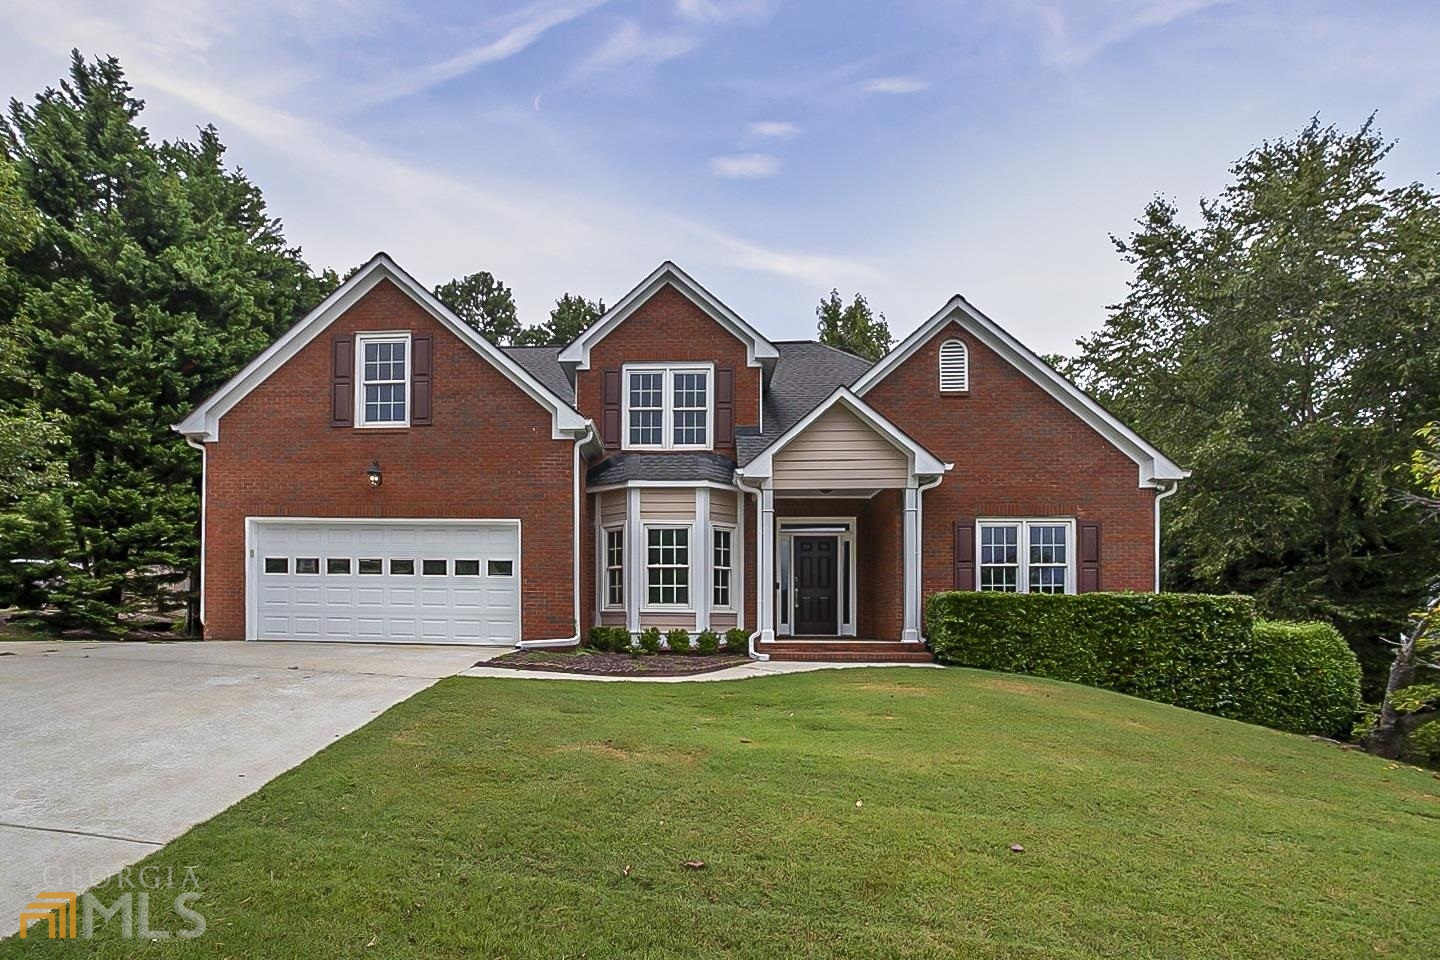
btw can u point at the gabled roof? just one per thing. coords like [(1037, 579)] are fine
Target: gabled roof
[(922, 462), (757, 348), (1154, 465), (203, 423)]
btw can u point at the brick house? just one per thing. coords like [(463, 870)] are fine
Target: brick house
[(383, 473)]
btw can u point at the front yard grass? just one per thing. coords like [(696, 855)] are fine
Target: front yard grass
[(856, 813)]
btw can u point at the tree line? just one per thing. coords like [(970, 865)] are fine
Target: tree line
[(1281, 340)]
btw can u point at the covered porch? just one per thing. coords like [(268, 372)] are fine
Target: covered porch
[(839, 500)]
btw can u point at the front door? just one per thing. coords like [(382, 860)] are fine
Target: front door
[(817, 589)]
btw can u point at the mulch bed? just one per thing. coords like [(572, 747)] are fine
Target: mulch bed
[(605, 664)]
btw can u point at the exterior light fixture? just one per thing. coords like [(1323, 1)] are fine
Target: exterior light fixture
[(374, 474)]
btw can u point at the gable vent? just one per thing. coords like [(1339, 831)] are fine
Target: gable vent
[(954, 366)]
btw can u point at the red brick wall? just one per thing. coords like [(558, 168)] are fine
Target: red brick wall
[(669, 327), (1017, 452), (278, 456), (879, 572)]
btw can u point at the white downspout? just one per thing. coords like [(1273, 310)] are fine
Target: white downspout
[(574, 638), (760, 592), (204, 487), (1160, 495)]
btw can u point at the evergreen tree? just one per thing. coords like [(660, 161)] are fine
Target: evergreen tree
[(154, 274)]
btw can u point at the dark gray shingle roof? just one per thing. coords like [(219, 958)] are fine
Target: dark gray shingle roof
[(662, 466), (542, 364), (806, 373)]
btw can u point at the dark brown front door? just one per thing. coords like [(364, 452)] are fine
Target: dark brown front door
[(816, 586)]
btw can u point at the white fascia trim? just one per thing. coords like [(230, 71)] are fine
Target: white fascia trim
[(1153, 464), (757, 348), (923, 463), (203, 423)]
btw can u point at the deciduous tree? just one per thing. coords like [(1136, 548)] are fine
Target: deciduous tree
[(1284, 344), (484, 303), (855, 328)]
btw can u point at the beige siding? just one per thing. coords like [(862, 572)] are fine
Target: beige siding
[(667, 621), (722, 506), (840, 450), (720, 622), (612, 507), (612, 618), (667, 504)]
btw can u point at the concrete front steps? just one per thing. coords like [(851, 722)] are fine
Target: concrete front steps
[(846, 651)]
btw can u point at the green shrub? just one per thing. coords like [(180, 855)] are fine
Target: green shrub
[(1191, 650), (737, 640), (650, 640), (678, 640), (1304, 678), (707, 643), (610, 638)]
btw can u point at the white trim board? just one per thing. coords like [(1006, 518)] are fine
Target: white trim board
[(1154, 465), (203, 423), (757, 348)]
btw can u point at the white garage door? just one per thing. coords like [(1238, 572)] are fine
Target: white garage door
[(420, 582)]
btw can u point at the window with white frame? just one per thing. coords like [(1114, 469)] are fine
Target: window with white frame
[(722, 565), (668, 408), (615, 567), (954, 367), (383, 381), (667, 566), (1026, 556)]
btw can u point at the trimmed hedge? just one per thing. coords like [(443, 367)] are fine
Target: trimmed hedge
[(1307, 678), (1195, 651)]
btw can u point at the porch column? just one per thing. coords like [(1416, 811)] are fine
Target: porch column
[(911, 632), (765, 565)]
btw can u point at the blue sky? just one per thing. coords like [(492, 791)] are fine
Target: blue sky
[(773, 149)]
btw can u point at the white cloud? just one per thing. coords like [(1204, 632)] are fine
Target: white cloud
[(895, 85), (632, 44), (512, 34), (1074, 32), (716, 11), (777, 129), (745, 166)]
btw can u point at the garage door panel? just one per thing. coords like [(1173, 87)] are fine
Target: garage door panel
[(394, 598)]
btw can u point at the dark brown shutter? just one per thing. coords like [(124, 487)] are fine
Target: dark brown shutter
[(965, 554), (422, 364), (1089, 554), (724, 407), (610, 422), (342, 381)]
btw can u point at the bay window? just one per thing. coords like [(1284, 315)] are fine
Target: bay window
[(667, 566), (721, 566), (615, 567)]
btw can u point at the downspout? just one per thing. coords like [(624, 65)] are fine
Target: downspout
[(750, 641), (200, 569), (920, 540), (574, 639), (1160, 495)]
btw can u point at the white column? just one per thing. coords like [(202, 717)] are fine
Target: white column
[(634, 560), (911, 633), (701, 560), (765, 564)]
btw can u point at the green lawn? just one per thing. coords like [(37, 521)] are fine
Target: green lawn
[(860, 813)]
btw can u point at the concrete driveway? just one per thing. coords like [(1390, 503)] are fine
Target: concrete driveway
[(108, 750)]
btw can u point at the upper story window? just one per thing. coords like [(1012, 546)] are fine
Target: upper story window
[(954, 367), (383, 379), (668, 408)]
